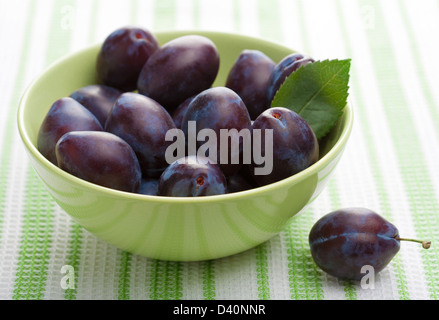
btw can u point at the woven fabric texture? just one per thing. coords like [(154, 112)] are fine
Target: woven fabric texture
[(390, 164)]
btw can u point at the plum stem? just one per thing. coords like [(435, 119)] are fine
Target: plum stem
[(425, 244)]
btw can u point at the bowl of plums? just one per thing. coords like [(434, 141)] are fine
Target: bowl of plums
[(186, 145)]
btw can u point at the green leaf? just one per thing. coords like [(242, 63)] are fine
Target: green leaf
[(317, 92)]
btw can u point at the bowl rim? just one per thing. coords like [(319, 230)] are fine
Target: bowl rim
[(313, 169)]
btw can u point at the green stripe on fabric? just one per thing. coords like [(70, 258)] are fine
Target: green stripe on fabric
[(304, 277), (164, 14), (166, 276), (416, 178), (61, 27), (209, 290), (123, 292), (92, 34), (73, 258), (8, 133), (196, 8), (36, 241), (76, 231), (134, 11), (236, 12), (420, 67), (33, 256), (166, 280), (268, 20), (269, 27), (349, 288), (262, 271), (302, 23), (361, 109)]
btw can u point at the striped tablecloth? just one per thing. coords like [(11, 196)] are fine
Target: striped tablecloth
[(390, 165)]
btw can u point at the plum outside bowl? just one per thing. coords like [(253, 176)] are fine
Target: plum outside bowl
[(168, 228)]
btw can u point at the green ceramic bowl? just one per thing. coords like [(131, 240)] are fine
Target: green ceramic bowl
[(179, 229)]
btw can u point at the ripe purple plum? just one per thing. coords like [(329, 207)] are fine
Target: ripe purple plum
[(122, 56), (294, 144), (192, 176), (216, 109), (180, 69), (101, 158), (149, 186), (143, 123), (283, 69), (98, 99), (249, 78), (237, 183), (179, 113), (345, 240), (65, 115)]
